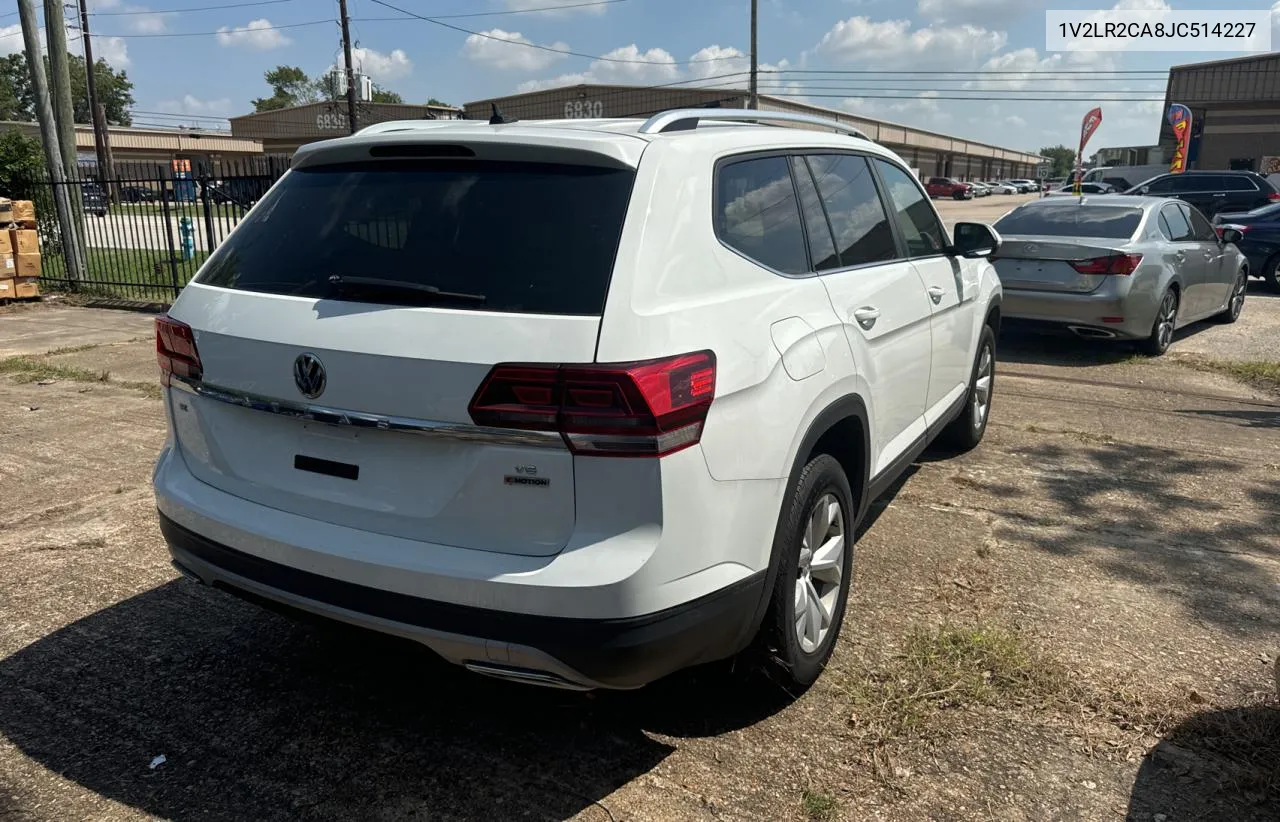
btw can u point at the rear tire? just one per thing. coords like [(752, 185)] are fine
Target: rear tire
[(1271, 273), (1235, 303), (966, 431), (1161, 337), (814, 544)]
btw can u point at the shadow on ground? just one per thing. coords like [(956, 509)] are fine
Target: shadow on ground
[(262, 718), (1218, 764), (1144, 509)]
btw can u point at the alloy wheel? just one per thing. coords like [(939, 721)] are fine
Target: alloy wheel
[(1165, 319), (1237, 295), (821, 568), (981, 401)]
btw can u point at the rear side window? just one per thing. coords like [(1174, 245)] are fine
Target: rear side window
[(517, 237), (1200, 227), (917, 220), (1173, 222), (1072, 220), (757, 214), (858, 219), (1238, 184), (822, 250)]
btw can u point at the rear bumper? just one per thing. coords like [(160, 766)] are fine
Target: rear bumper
[(1081, 310), (572, 653)]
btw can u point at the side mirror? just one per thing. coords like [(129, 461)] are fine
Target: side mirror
[(975, 240), (1143, 190), (1230, 235)]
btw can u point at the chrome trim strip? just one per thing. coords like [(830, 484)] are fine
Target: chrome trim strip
[(688, 118), (358, 419)]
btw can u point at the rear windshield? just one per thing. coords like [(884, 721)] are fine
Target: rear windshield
[(518, 237), (1072, 220)]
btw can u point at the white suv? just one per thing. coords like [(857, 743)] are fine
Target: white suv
[(576, 403)]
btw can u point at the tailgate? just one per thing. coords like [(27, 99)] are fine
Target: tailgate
[(1032, 264)]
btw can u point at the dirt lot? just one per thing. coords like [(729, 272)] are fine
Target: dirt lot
[(1075, 621)]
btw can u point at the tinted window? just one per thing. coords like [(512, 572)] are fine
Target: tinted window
[(822, 250), (1199, 182), (1070, 219), (917, 221), (757, 214), (1160, 185), (523, 237), (1200, 228), (1238, 184), (1175, 224), (858, 220)]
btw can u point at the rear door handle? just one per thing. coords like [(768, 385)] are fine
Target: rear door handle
[(1181, 256), (866, 316), (935, 293)]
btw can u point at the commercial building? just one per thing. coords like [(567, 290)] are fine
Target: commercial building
[(283, 130), (931, 153), (1235, 113), (1131, 156), (158, 145)]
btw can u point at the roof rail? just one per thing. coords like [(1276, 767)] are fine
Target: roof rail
[(401, 125), (685, 119)]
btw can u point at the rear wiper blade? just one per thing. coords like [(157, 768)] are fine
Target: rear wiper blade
[(342, 282)]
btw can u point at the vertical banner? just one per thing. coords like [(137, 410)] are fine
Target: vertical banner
[(1180, 119), (1087, 127)]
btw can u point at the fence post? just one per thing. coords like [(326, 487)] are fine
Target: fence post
[(168, 239), (209, 240)]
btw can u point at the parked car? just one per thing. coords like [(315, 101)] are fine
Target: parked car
[(1085, 188), (384, 355), (1001, 188), (1119, 267), (1259, 239), (137, 194), (949, 187), (980, 189), (1026, 186), (93, 199), (1213, 191), (1123, 178)]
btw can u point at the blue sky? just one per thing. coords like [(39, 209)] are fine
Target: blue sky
[(219, 70)]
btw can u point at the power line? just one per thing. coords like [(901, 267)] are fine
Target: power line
[(552, 49), (493, 13), (177, 11), (224, 30)]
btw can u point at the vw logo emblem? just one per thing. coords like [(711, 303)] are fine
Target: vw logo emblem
[(308, 374)]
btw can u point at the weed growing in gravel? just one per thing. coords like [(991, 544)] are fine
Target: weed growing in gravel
[(27, 369), (818, 805)]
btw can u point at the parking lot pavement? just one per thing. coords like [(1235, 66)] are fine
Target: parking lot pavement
[(35, 328), (1121, 523)]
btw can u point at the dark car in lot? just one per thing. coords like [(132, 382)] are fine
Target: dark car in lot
[(1259, 239), (1213, 192), (94, 199), (137, 194)]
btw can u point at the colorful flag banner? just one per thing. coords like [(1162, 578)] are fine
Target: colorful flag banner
[(1087, 127), (1180, 119)]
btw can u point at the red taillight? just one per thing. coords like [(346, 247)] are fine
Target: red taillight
[(1122, 264), (1274, 196), (643, 409), (176, 350)]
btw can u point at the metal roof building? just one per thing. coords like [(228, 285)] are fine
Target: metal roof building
[(130, 144), (281, 131), (1235, 112), (932, 153)]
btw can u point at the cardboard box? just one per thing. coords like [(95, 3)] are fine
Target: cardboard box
[(7, 291), (26, 265), (6, 247), (7, 267), (26, 287), (6, 210), (24, 211), (24, 241)]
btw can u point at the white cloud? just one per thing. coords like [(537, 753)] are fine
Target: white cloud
[(894, 43), (258, 34), (922, 110), (495, 48), (727, 67), (112, 49), (149, 23), (382, 67), (189, 104), (652, 66), (522, 5)]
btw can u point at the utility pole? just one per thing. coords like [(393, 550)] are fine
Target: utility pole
[(64, 109), (351, 75), (48, 136), (754, 102), (97, 115)]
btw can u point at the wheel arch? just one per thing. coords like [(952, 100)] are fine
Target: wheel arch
[(843, 427)]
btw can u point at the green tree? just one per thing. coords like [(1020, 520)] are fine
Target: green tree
[(1064, 160), (115, 90), (22, 177), (290, 86), (383, 96), (431, 101)]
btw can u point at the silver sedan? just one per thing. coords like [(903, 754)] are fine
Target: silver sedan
[(1118, 267)]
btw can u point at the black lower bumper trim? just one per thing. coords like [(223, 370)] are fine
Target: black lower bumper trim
[(619, 653)]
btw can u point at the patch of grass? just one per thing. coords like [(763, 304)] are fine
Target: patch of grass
[(818, 805), (125, 273), (26, 369), (949, 668), (1263, 375), (71, 349)]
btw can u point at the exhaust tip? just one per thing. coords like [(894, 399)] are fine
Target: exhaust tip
[(527, 676), (1091, 333), (186, 572)]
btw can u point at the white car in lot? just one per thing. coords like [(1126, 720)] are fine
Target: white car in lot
[(575, 403)]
